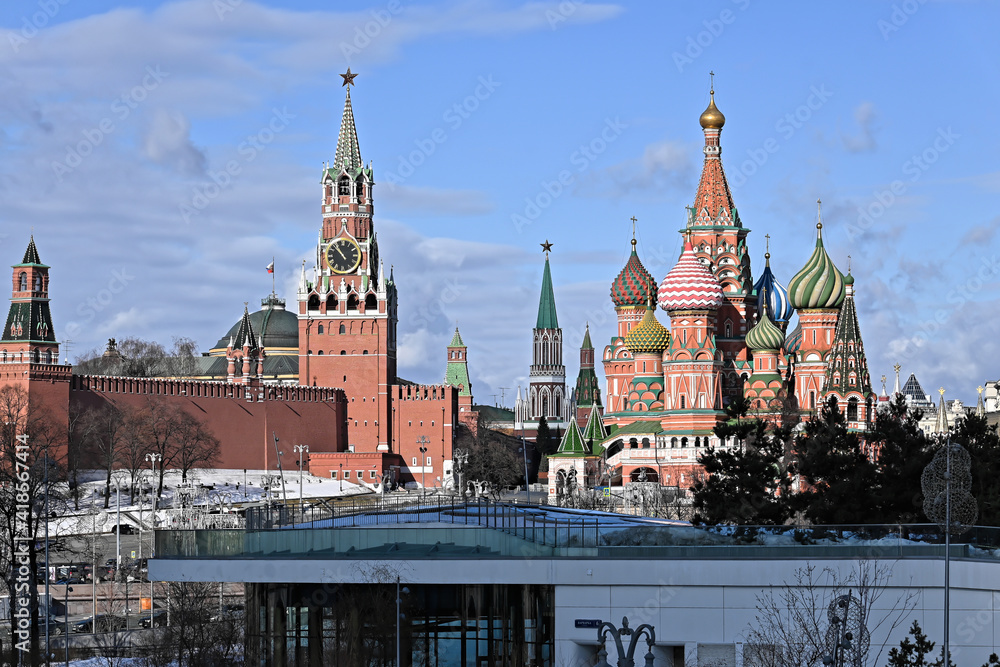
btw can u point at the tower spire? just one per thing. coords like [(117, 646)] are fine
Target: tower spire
[(348, 153), (547, 318)]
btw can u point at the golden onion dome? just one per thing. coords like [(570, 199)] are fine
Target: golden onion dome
[(712, 118), (649, 336)]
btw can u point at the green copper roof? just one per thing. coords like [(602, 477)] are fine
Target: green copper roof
[(547, 318), (572, 442), (456, 340), (847, 356), (456, 374), (819, 284), (587, 345), (594, 432)]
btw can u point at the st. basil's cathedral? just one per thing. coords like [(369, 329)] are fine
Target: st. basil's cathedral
[(729, 336)]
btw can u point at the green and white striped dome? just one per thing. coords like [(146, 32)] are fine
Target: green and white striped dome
[(819, 284), (764, 335)]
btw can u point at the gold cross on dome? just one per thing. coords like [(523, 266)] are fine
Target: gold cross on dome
[(712, 89)]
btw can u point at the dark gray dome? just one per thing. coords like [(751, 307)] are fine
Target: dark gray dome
[(274, 326)]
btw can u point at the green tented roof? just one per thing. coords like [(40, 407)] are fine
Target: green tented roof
[(547, 318), (456, 340), (572, 442), (594, 432)]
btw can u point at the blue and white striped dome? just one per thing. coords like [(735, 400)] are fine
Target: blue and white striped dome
[(777, 305)]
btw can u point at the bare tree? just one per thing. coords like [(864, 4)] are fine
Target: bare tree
[(792, 627), (23, 465), (198, 635), (196, 445), (108, 429), (131, 454), (135, 357)]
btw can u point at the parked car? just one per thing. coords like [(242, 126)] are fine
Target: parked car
[(157, 619), (127, 529), (101, 623)]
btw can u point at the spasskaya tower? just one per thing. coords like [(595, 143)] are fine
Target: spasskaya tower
[(347, 312)]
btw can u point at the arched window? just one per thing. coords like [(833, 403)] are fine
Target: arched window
[(319, 329), (812, 400), (645, 443), (38, 282), (673, 442), (37, 357), (683, 402), (545, 406), (3, 356), (684, 442), (729, 329), (23, 278), (697, 442), (365, 352), (343, 329), (331, 303), (852, 409), (344, 187), (342, 353), (48, 356), (633, 443), (320, 353), (352, 302), (313, 302), (371, 303)]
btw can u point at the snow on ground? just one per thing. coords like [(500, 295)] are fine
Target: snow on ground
[(207, 487)]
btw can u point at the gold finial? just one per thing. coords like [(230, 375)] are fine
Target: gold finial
[(712, 118), (819, 214), (848, 263), (883, 382), (980, 389), (767, 251), (896, 368), (941, 391), (633, 219)]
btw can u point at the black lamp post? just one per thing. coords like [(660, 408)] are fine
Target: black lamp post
[(842, 636), (625, 657)]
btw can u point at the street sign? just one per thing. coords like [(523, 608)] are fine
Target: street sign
[(588, 622), (133, 554)]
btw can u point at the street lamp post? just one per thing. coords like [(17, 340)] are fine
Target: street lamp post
[(66, 633), (843, 635), (423, 442), (153, 458), (341, 478), (625, 657), (301, 449)]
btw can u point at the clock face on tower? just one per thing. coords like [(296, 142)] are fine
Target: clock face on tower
[(343, 255)]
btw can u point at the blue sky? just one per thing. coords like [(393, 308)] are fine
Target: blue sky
[(884, 110)]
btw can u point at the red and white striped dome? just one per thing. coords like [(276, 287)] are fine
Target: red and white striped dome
[(690, 285)]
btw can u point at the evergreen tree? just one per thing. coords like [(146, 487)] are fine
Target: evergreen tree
[(983, 444), (839, 475), (901, 452), (748, 483), (543, 438), (914, 653)]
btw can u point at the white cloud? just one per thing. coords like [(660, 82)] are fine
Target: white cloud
[(864, 139), (168, 142), (663, 166)]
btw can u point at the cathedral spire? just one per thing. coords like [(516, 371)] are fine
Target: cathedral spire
[(980, 406), (941, 424), (348, 153)]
